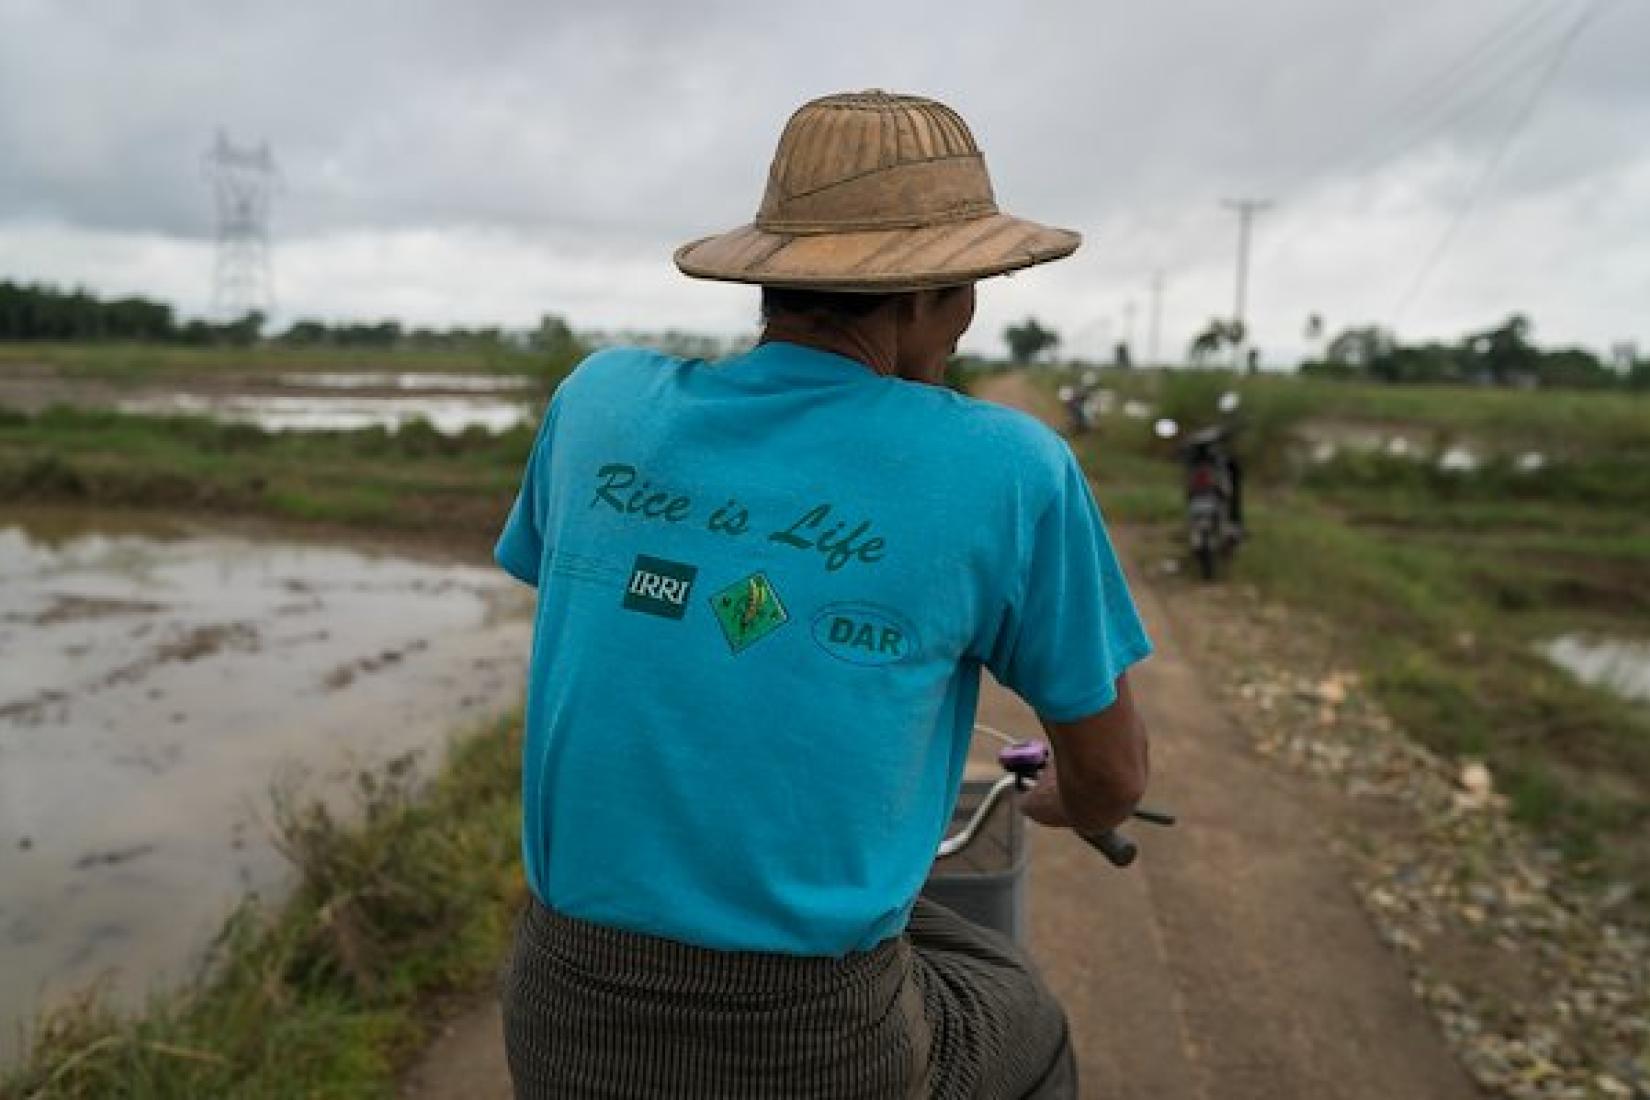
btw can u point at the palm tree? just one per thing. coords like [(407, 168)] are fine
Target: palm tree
[(1216, 335)]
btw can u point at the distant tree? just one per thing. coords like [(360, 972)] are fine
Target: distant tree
[(1638, 375), (305, 334), (553, 336), (1218, 333), (1575, 368), (244, 332), (1504, 354), (1029, 339), (1359, 348), (1122, 357)]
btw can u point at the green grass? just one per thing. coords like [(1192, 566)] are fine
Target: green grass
[(1130, 484), (1445, 629), (1557, 422), (1444, 623), (132, 362), (1441, 584), (410, 897), (415, 479)]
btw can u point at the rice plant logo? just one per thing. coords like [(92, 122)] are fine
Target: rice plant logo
[(748, 610)]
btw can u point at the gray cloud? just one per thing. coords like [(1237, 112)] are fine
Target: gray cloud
[(605, 134)]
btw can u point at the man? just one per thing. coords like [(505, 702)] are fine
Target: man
[(767, 588)]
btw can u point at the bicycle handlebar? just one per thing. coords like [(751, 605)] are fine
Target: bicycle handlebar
[(1023, 760), (1116, 847)]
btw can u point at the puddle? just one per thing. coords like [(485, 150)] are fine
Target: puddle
[(1614, 663), (155, 680), (1324, 442), (307, 413), (1459, 459), (407, 380)]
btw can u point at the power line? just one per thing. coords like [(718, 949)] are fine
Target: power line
[(1512, 51), (1503, 50), (1516, 126)]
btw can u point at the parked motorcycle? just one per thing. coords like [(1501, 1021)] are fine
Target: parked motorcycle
[(1214, 489)]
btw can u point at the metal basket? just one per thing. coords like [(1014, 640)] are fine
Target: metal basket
[(985, 882)]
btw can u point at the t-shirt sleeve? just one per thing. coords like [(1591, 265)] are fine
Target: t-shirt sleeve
[(520, 546), (1068, 629)]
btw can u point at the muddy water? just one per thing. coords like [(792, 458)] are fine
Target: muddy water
[(154, 683), (407, 380), (306, 413), (297, 402), (1617, 664)]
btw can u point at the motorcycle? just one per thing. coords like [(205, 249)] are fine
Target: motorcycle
[(1214, 490)]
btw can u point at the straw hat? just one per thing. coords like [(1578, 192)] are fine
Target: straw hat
[(875, 192)]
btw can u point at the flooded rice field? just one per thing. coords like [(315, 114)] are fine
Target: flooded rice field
[(296, 401), (274, 412), (1620, 665), (423, 381), (157, 678)]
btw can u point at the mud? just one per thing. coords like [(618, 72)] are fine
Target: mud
[(158, 678), (292, 402), (1620, 664)]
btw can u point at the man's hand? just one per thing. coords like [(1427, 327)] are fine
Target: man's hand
[(1042, 802), (1099, 771)]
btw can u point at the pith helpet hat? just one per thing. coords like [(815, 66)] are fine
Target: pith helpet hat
[(875, 192)]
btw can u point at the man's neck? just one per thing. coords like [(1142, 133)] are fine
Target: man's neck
[(872, 345)]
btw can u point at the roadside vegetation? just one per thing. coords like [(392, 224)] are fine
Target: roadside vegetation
[(1442, 583), (412, 480), (406, 899), (158, 363)]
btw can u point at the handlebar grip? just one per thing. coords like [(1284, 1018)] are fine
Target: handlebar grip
[(1116, 847)]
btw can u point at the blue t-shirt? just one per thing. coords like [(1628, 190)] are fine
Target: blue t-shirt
[(767, 586)]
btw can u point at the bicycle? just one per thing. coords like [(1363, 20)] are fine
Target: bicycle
[(988, 887)]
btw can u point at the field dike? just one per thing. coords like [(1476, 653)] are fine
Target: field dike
[(405, 899), (1538, 976)]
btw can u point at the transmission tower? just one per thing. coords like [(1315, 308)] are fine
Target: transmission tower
[(242, 182)]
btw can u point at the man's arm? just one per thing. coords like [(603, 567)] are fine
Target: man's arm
[(1100, 768)]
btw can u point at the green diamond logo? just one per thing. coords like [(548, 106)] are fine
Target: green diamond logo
[(748, 610)]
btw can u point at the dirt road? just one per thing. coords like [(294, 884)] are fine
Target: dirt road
[(1232, 962)]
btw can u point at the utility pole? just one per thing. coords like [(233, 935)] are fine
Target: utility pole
[(1246, 210), (1128, 327), (1157, 318)]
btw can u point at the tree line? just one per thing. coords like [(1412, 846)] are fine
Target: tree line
[(1500, 356), (34, 312)]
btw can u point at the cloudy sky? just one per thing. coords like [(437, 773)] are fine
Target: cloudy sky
[(1433, 166)]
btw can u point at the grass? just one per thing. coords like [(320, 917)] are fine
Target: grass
[(1559, 422), (133, 362), (1441, 584), (415, 479), (408, 898)]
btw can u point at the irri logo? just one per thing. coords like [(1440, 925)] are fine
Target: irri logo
[(659, 587)]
